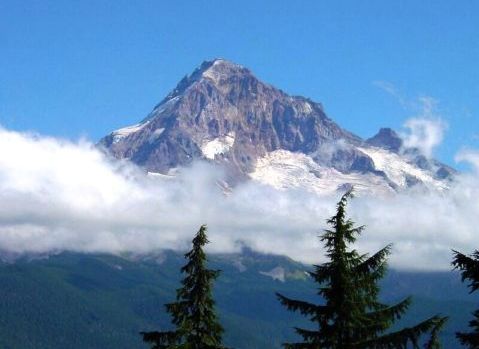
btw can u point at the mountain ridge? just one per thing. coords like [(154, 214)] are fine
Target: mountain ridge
[(224, 114)]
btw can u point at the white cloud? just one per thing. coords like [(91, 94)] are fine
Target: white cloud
[(424, 131), (470, 156), (424, 134), (57, 195)]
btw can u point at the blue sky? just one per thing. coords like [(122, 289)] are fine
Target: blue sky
[(84, 68)]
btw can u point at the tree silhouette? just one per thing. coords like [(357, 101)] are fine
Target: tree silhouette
[(193, 312), (351, 316), (469, 267)]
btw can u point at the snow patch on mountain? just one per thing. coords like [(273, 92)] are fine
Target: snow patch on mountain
[(165, 105), (277, 273), (212, 74), (121, 133), (306, 108), (283, 169), (238, 264), (156, 134), (161, 176), (397, 169), (219, 70), (220, 145)]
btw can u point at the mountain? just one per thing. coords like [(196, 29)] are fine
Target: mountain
[(222, 113), (97, 301)]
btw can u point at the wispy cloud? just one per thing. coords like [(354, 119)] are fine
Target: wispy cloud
[(392, 90), (57, 195), (470, 156)]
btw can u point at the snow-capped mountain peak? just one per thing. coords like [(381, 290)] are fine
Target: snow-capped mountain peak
[(221, 112)]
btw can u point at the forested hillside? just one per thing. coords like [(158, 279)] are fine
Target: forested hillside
[(102, 301)]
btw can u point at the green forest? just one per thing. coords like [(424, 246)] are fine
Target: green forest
[(350, 316)]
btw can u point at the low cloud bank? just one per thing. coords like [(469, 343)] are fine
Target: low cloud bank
[(57, 195)]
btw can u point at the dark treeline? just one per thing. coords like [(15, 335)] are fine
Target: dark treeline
[(350, 315)]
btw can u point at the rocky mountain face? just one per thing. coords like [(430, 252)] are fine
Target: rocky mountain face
[(387, 139), (223, 113)]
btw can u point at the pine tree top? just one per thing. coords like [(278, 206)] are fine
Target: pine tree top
[(351, 316), (193, 312), (469, 267)]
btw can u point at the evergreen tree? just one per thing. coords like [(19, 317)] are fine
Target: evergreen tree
[(193, 313), (469, 267), (351, 315)]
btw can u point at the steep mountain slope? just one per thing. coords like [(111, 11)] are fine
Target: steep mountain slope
[(223, 113)]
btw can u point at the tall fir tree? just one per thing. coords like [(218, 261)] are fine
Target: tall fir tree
[(469, 267), (351, 315), (193, 313)]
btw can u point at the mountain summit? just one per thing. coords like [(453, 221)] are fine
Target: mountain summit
[(223, 113)]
